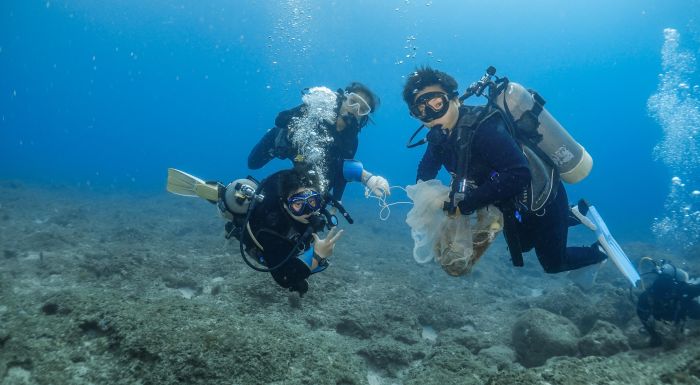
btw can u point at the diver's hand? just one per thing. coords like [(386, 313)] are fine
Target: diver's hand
[(465, 208), (324, 247), (378, 185)]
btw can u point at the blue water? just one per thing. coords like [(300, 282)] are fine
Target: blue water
[(107, 95)]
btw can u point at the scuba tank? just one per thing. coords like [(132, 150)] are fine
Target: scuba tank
[(235, 198), (525, 107)]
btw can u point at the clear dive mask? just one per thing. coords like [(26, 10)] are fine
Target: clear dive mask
[(357, 104)]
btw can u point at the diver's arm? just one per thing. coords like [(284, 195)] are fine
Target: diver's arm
[(691, 290), (339, 183), (270, 145), (429, 165), (263, 152), (353, 171), (315, 263), (345, 159), (510, 172), (644, 312)]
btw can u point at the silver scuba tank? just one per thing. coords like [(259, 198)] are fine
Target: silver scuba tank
[(237, 198), (573, 162)]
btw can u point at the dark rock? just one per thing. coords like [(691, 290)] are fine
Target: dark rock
[(96, 328), (49, 308), (568, 301), (176, 282), (389, 355), (615, 307), (539, 335), (475, 342), (499, 356), (352, 328), (9, 254), (604, 339), (406, 336), (4, 337), (637, 338), (447, 363), (53, 308)]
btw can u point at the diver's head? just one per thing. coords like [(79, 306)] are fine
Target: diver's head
[(299, 193), (358, 102), (432, 97), (303, 203)]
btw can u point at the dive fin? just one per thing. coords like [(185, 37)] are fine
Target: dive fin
[(182, 183), (608, 243)]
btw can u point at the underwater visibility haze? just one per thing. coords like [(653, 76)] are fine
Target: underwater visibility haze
[(105, 278)]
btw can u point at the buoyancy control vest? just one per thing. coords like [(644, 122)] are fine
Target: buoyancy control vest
[(550, 150), (544, 178)]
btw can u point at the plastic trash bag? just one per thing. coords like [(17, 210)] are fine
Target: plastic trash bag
[(455, 243)]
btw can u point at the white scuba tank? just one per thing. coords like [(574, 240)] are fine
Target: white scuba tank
[(237, 198), (572, 160)]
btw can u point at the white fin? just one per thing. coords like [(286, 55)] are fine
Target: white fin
[(182, 183)]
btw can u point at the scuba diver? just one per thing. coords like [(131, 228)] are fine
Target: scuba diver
[(496, 157), (669, 297), (323, 132), (276, 221)]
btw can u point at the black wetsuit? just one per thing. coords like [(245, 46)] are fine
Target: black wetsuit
[(278, 233), (500, 172), (275, 143), (667, 299)]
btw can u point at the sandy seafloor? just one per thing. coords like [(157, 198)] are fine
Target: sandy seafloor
[(127, 289)]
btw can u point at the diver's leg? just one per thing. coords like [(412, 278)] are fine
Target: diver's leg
[(693, 309), (551, 240)]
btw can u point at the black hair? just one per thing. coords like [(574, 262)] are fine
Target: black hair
[(289, 181), (426, 77), (359, 87), (276, 188)]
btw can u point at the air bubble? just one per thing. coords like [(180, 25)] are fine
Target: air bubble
[(678, 115)]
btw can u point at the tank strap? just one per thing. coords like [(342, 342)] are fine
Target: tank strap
[(467, 126), (528, 122)]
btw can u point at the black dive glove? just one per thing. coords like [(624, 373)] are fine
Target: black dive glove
[(465, 208), (282, 148)]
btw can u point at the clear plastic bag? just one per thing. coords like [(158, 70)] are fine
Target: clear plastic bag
[(456, 243)]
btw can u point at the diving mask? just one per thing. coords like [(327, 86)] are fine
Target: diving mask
[(357, 104), (305, 202), (430, 106)]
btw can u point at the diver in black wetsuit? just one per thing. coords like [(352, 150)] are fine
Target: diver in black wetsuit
[(498, 172), (284, 225), (351, 110), (670, 298)]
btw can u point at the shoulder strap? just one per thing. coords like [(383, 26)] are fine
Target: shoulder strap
[(466, 128), (471, 118)]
